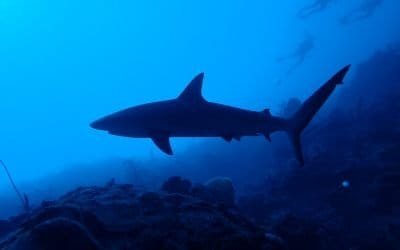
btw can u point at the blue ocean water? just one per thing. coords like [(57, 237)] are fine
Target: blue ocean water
[(64, 64)]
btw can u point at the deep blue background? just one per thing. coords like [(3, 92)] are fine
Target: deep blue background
[(65, 63)]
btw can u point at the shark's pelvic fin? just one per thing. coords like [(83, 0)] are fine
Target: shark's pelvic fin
[(193, 91), (297, 123), (267, 137), (162, 142)]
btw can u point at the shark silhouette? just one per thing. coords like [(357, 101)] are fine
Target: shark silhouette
[(190, 115)]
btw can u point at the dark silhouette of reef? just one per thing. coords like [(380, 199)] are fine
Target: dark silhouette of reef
[(120, 216)]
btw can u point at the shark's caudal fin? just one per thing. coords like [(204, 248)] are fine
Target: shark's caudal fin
[(309, 108)]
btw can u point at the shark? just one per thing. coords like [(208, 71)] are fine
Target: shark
[(191, 115)]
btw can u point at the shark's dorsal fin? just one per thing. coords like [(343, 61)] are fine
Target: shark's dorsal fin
[(192, 92)]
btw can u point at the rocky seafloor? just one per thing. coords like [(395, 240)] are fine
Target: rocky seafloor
[(120, 216)]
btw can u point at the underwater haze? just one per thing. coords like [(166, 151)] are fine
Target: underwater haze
[(65, 64)]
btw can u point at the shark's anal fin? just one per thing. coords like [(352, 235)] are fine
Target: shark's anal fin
[(193, 91), (227, 138), (162, 142)]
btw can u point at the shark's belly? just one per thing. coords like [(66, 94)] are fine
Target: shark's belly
[(209, 124)]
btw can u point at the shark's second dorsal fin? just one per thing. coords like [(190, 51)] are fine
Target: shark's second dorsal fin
[(192, 92)]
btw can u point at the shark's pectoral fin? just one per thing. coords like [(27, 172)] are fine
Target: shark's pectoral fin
[(162, 142)]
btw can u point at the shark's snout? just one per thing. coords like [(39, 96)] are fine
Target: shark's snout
[(99, 124)]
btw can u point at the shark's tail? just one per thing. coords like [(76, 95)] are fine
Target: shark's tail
[(308, 109)]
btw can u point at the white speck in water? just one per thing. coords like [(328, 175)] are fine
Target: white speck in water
[(346, 184)]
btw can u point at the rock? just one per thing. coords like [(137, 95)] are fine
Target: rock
[(177, 184), (291, 106), (150, 199), (6, 227), (276, 242), (301, 233), (111, 182), (221, 191), (218, 190), (58, 233), (200, 191), (151, 202), (175, 200), (117, 217), (47, 203)]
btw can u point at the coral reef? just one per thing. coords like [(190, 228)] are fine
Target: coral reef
[(120, 217)]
